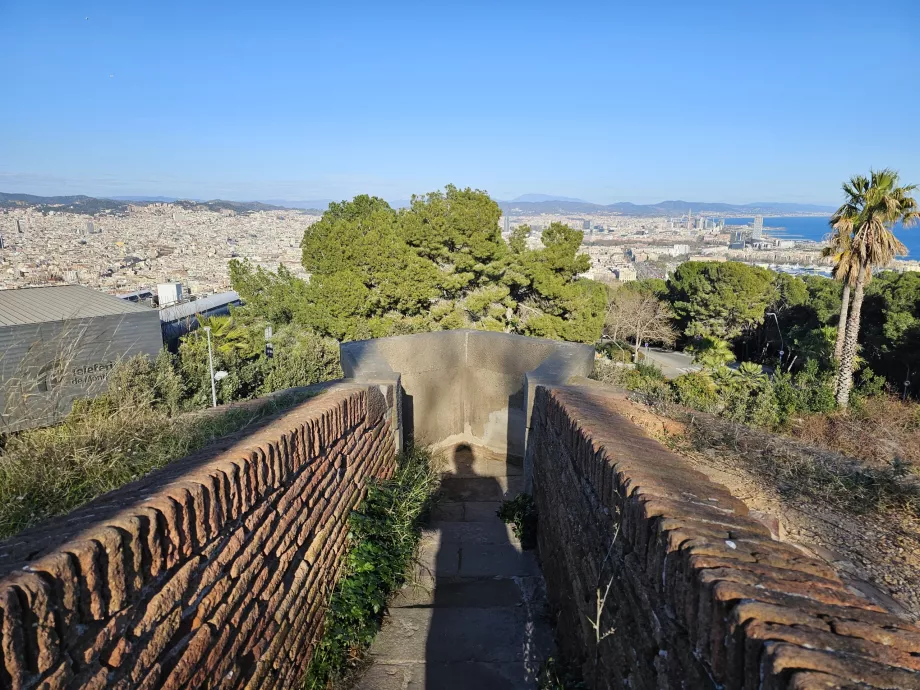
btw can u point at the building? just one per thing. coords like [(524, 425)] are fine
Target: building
[(506, 224), (180, 319), (738, 239), (60, 343), (169, 294), (758, 228), (625, 274)]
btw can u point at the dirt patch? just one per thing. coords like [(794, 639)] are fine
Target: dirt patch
[(871, 536)]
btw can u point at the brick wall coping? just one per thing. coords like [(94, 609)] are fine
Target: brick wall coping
[(138, 584), (760, 613)]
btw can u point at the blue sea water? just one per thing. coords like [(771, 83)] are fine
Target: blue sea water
[(816, 228)]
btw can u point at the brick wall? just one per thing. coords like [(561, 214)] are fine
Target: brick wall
[(700, 594), (213, 572)]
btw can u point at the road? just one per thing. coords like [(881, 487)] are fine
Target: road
[(672, 364)]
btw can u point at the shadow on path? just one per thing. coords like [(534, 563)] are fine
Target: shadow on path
[(477, 618)]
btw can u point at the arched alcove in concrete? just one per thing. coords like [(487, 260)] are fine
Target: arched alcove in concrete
[(466, 386)]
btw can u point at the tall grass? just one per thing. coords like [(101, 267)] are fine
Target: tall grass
[(102, 445), (384, 533)]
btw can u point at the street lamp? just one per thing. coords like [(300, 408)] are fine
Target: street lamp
[(207, 329), (782, 345)]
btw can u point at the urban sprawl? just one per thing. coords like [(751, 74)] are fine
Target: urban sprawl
[(152, 244)]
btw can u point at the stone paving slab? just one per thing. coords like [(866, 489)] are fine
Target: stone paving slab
[(450, 676), (498, 634), (467, 592), (476, 616), (479, 532), (465, 511), (480, 488)]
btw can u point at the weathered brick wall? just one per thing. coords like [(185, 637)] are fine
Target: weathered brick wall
[(700, 594), (213, 572)]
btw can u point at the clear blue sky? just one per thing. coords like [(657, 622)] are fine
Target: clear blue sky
[(731, 101)]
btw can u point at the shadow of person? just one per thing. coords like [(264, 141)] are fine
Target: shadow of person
[(487, 627)]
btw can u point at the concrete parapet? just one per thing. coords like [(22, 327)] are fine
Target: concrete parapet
[(466, 385)]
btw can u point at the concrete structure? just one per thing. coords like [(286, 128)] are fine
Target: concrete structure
[(169, 294), (179, 319), (59, 343), (467, 386)]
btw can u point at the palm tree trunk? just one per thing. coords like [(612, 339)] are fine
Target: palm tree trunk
[(842, 323), (848, 357)]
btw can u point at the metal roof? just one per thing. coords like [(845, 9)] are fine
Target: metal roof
[(198, 306), (59, 303)]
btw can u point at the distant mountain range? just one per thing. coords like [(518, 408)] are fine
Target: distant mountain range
[(536, 198), (525, 204), (92, 205), (520, 206)]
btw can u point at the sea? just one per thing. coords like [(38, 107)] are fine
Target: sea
[(816, 228)]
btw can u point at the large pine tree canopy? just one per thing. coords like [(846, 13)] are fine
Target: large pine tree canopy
[(439, 264)]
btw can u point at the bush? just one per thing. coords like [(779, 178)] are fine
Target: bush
[(383, 537), (615, 351), (697, 390), (301, 357), (521, 513), (809, 391)]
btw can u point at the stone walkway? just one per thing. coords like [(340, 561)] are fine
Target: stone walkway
[(477, 618)]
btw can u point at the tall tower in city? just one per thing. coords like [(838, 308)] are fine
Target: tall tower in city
[(758, 228), (690, 219), (506, 224)]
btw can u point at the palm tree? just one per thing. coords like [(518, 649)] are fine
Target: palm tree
[(846, 266), (871, 208)]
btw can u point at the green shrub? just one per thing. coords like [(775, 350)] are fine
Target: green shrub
[(383, 537), (809, 390), (615, 351), (521, 513), (711, 352), (697, 390)]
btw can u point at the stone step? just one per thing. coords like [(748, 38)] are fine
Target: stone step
[(480, 488), (450, 676), (473, 592), (492, 531), (449, 635), (466, 511), (476, 560)]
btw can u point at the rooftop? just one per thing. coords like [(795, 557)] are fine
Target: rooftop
[(60, 303)]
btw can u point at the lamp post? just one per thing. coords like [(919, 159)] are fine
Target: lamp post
[(782, 345), (207, 329)]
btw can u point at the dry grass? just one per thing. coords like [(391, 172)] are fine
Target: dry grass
[(98, 448), (810, 468), (878, 432)]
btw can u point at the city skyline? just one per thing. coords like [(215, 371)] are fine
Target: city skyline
[(603, 102)]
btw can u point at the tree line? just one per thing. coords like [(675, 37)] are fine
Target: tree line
[(863, 324), (442, 263)]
